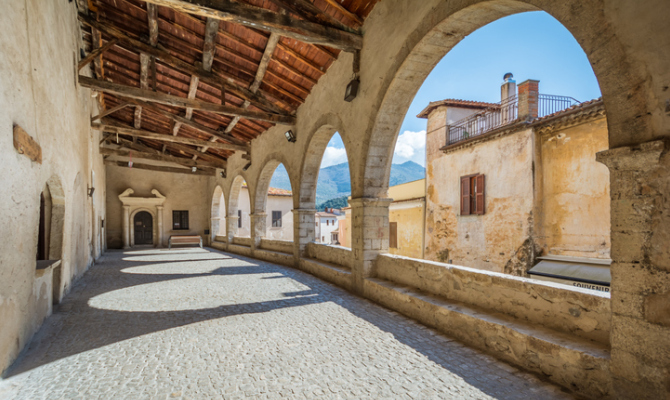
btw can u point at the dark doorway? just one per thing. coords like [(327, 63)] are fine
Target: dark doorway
[(144, 228), (42, 253)]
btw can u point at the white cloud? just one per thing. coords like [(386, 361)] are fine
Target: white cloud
[(333, 156), (410, 146)]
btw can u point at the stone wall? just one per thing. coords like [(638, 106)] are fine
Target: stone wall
[(282, 246), (576, 311), (337, 255)]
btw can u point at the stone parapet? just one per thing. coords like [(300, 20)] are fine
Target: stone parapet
[(338, 255)]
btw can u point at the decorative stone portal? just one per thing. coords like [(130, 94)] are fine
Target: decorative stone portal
[(139, 206)]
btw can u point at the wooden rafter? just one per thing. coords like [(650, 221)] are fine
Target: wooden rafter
[(310, 12), (149, 167), (160, 157), (96, 53), (145, 60), (339, 7), (144, 134), (168, 59), (257, 18), (110, 111), (147, 95)]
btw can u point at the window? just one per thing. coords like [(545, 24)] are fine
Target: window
[(276, 219), (327, 222), (179, 220), (393, 235), (316, 223), (473, 195), (239, 218)]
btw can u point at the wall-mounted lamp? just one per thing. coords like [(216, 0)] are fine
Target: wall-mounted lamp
[(246, 167), (223, 174), (193, 169), (352, 90), (290, 136), (90, 191)]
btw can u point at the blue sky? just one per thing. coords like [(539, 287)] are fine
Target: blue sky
[(531, 45)]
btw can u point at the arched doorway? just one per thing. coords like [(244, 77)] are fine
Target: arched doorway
[(144, 228), (218, 214)]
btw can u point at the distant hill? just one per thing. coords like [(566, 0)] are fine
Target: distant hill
[(338, 202), (335, 182)]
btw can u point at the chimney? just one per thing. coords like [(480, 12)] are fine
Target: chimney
[(528, 99), (507, 98)]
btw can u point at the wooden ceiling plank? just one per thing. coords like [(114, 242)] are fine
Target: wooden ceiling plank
[(174, 62), (156, 97), (339, 7), (149, 167), (96, 53), (158, 157), (166, 138), (257, 18), (310, 12), (146, 60)]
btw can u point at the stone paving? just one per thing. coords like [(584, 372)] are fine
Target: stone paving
[(203, 324)]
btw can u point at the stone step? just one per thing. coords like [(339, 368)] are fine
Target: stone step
[(332, 273), (559, 357)]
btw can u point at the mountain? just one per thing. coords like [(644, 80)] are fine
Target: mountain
[(335, 181)]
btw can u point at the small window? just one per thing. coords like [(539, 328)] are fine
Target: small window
[(179, 220), (327, 222), (393, 235), (473, 201), (239, 218), (276, 219), (316, 223)]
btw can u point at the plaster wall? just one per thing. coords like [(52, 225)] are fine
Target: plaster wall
[(481, 241), (244, 206), (38, 91), (410, 217), (574, 215), (327, 225), (285, 205), (182, 192)]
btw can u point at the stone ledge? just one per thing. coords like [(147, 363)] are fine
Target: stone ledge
[(329, 272), (275, 257), (338, 255)]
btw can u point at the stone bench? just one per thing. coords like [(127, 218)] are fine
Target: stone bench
[(184, 239)]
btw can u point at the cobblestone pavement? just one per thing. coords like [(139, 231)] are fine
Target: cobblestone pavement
[(201, 324)]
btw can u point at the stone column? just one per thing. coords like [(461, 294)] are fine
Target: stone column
[(126, 227), (640, 333), (159, 225), (231, 227), (257, 229), (369, 236), (303, 231)]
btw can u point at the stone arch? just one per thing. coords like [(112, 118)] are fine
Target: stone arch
[(624, 92), (316, 147), (154, 224), (56, 218), (234, 194), (218, 213), (264, 177)]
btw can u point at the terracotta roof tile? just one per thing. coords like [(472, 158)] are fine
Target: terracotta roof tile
[(455, 103)]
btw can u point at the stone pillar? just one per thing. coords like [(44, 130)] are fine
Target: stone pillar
[(529, 99), (231, 227), (369, 236), (257, 229), (303, 230), (214, 226), (640, 335), (159, 218), (126, 227)]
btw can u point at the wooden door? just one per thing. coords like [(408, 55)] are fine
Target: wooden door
[(144, 229)]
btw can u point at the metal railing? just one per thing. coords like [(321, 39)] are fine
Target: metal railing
[(483, 121), (549, 104), (503, 113)]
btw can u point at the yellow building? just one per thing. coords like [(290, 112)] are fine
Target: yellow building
[(407, 216)]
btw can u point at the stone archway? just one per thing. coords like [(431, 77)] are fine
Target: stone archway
[(133, 205), (218, 214)]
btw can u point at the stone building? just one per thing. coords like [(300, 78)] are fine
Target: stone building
[(326, 224), (511, 181), (176, 91)]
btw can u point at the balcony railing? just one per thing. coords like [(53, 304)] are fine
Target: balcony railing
[(501, 114)]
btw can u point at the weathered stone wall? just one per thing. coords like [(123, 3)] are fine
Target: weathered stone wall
[(572, 195), (181, 191), (282, 246), (481, 241), (337, 255), (38, 53), (576, 311)]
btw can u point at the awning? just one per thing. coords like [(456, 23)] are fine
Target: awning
[(585, 270)]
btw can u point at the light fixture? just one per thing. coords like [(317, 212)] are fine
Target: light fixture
[(290, 136), (193, 169), (246, 167), (90, 191), (223, 173), (352, 90)]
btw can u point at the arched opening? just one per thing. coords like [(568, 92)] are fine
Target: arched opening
[(274, 197), (239, 209), (512, 180), (218, 214), (326, 187), (50, 230)]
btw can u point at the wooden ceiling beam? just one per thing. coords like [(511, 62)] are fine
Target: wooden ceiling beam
[(149, 167), (144, 134), (171, 61), (146, 60), (258, 18), (110, 111), (310, 12), (339, 7), (96, 53), (159, 157), (155, 97)]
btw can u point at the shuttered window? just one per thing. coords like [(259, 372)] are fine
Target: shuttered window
[(276, 219), (473, 195), (393, 235), (179, 220)]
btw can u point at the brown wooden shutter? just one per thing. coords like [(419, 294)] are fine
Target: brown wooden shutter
[(393, 235), (465, 196), (480, 195)]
